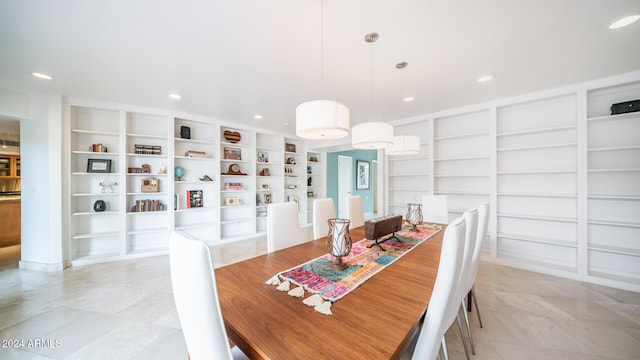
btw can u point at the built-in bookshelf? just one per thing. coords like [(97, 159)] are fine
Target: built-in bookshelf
[(461, 160), (613, 190), (537, 183), (143, 165), (410, 176), (270, 176), (316, 180), (94, 235), (295, 176), (196, 159), (237, 166)]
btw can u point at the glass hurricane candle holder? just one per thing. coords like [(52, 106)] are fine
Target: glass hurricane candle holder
[(414, 215), (339, 241)]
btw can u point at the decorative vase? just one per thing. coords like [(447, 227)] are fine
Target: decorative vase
[(99, 206), (339, 241), (414, 215)]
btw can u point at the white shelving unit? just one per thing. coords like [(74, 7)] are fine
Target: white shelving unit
[(237, 206), (613, 187), (229, 212), (316, 180), (295, 176), (94, 235), (462, 160), (537, 183), (270, 176), (197, 155), (409, 176), (147, 230)]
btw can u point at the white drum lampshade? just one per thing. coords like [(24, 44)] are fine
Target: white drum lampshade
[(372, 135), (404, 145), (322, 120)]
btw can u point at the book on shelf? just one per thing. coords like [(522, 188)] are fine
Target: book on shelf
[(195, 198), (233, 186), (148, 205)]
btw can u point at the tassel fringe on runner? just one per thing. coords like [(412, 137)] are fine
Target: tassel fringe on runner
[(297, 292), (273, 281)]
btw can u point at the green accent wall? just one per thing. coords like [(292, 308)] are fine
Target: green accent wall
[(332, 176)]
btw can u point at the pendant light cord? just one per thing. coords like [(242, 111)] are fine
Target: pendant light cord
[(322, 47), (371, 54)]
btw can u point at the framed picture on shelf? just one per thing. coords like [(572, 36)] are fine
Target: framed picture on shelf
[(99, 165), (263, 157), (231, 153), (362, 175), (267, 197), (288, 147), (311, 194)]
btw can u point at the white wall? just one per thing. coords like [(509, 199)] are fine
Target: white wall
[(40, 118)]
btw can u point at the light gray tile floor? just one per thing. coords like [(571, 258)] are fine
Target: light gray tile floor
[(125, 310)]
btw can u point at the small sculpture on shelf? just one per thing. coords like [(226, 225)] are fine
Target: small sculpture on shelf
[(108, 186)]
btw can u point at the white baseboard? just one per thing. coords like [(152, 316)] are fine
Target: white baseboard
[(30, 265)]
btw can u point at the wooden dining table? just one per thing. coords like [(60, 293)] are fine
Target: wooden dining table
[(375, 321)]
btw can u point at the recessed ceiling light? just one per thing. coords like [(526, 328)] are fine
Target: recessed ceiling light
[(42, 76), (286, 124), (408, 98), (484, 78), (628, 20), (175, 96), (257, 116)]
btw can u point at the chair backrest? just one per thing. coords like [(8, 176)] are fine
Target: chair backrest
[(283, 226), (323, 210), (435, 209), (196, 298), (481, 234), (354, 211), (444, 290), (471, 221)]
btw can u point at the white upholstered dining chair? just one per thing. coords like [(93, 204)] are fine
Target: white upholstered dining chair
[(435, 209), (354, 211), (196, 298), (470, 277), (471, 221), (283, 226), (436, 321), (323, 210)]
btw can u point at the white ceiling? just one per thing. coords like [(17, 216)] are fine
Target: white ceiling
[(232, 59)]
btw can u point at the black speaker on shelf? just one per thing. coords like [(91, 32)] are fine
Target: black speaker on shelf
[(185, 132), (625, 107)]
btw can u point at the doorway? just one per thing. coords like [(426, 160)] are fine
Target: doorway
[(345, 170)]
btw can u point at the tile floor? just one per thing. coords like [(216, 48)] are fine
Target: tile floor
[(125, 310)]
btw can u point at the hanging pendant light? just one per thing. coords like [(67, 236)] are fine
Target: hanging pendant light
[(372, 135), (322, 119), (404, 144)]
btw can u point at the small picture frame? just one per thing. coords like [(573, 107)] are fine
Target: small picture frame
[(311, 194), (288, 147), (232, 153), (263, 157), (99, 166), (267, 197)]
